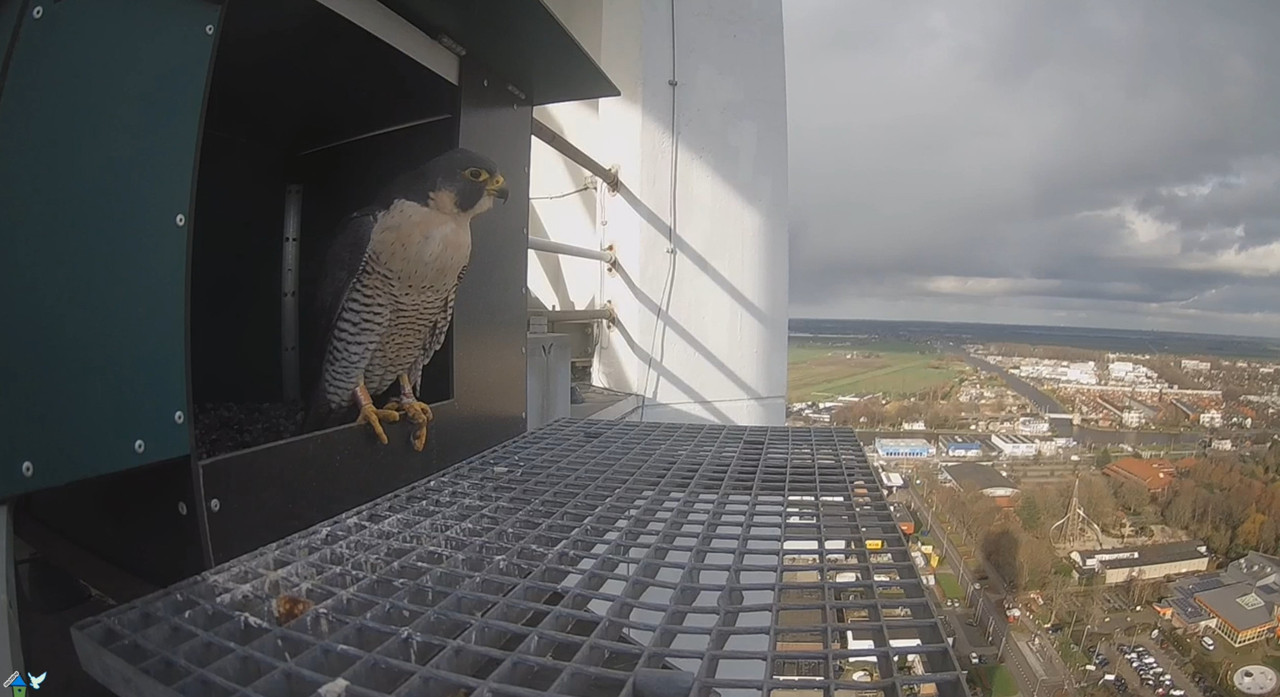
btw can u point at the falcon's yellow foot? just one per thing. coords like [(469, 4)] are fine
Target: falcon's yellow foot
[(374, 417), (420, 414), (417, 411)]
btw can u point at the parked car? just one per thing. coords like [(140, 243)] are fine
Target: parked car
[(1207, 643)]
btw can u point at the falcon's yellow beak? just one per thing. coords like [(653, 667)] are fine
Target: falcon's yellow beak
[(497, 188)]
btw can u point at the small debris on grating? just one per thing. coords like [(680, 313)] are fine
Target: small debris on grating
[(335, 688), (290, 608)]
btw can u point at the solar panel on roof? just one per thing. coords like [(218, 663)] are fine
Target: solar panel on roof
[(1207, 584), (1189, 608)]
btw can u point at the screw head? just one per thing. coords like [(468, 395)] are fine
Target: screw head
[(208, 29), (139, 446), (28, 469), (179, 417), (182, 508), (522, 349), (37, 12), (180, 220), (486, 83), (214, 505)]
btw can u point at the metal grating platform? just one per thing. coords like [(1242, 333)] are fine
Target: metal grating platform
[(585, 558)]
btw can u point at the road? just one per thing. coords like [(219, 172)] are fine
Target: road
[(1037, 674)]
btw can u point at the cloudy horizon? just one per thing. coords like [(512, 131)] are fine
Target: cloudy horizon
[(1087, 164)]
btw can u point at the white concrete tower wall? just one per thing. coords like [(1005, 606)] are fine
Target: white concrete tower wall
[(702, 310)]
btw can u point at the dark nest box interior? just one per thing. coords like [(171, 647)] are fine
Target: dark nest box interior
[(308, 116)]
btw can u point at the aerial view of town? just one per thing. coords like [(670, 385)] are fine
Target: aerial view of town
[(1089, 518)]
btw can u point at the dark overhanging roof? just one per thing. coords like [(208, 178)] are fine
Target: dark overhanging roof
[(972, 476), (522, 40)]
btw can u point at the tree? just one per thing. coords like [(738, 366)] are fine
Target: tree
[(1102, 459), (1131, 496), (1098, 502), (1029, 512), (1249, 534)]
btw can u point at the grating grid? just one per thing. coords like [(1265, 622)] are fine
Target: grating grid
[(585, 558)]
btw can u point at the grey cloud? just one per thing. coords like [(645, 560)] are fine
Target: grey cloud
[(932, 140)]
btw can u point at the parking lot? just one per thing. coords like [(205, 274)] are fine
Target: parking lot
[(1143, 667)]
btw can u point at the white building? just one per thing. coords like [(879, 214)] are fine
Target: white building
[(1120, 370), (1222, 444), (905, 448), (1211, 419), (719, 67), (1048, 446), (1013, 445), (1133, 418), (1032, 426), (1193, 365)]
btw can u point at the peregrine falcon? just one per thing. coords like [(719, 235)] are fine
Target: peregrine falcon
[(389, 285)]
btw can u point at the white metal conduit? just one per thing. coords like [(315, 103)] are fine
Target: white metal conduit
[(539, 244), (571, 152), (543, 132)]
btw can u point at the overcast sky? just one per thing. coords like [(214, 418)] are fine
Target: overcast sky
[(1102, 163)]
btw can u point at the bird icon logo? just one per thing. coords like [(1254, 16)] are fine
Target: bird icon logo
[(19, 686)]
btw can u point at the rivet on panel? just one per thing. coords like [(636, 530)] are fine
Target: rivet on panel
[(139, 446), (182, 508), (522, 349), (179, 417), (214, 505), (180, 220), (37, 12), (28, 469), (208, 29)]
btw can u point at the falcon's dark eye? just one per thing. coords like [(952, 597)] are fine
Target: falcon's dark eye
[(476, 174)]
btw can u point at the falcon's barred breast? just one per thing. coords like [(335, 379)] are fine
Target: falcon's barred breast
[(391, 282)]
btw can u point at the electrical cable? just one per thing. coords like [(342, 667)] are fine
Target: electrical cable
[(664, 299), (585, 187)]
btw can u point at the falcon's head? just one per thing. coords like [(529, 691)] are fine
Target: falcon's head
[(457, 182)]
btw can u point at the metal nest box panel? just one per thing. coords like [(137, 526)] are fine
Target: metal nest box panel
[(584, 558)]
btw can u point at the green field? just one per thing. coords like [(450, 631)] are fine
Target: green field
[(818, 370), (949, 585), (998, 680)]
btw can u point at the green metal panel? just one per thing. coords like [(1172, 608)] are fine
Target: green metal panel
[(99, 129), (9, 10), (521, 40)]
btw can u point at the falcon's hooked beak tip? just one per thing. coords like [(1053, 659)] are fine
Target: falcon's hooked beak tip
[(500, 192)]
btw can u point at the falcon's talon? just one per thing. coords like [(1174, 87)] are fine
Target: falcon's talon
[(374, 417), (420, 414)]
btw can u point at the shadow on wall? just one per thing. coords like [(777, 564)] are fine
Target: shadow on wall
[(681, 331), (736, 144), (662, 371), (552, 264)]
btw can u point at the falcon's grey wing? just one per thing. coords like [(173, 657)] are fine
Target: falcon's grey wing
[(439, 329), (342, 263)]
